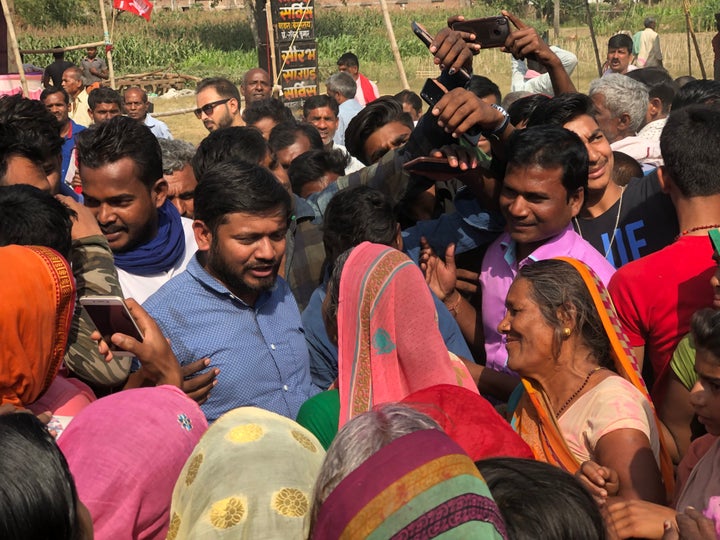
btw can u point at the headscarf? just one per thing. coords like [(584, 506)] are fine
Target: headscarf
[(38, 297), (126, 451), (421, 485), (534, 418), (389, 344), (251, 476), (471, 421)]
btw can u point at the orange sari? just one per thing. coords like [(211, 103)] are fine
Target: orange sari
[(533, 417), (38, 297)]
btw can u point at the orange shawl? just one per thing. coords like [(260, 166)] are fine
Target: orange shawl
[(534, 418), (389, 344), (38, 297)]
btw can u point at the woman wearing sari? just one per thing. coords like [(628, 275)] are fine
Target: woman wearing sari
[(581, 396), (380, 312), (392, 473), (38, 298), (126, 451), (250, 476)]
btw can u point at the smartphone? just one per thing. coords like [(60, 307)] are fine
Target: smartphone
[(489, 32), (433, 168), (427, 39), (111, 315), (432, 91)]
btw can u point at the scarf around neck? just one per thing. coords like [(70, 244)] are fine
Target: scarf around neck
[(162, 252)]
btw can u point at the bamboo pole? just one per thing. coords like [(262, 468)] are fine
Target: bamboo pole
[(68, 48), (108, 52), (271, 44), (15, 47), (691, 33), (594, 39), (393, 45), (689, 50)]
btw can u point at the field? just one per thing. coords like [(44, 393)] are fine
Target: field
[(220, 43)]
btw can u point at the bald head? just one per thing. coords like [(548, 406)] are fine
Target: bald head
[(256, 85)]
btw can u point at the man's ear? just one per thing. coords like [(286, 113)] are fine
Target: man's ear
[(203, 235), (159, 192), (576, 201), (233, 105), (664, 179), (655, 107), (623, 122)]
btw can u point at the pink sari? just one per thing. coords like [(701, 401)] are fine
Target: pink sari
[(389, 343)]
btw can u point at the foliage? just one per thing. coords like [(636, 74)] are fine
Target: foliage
[(221, 43), (56, 12)]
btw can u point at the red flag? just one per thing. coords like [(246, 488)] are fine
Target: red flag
[(138, 7)]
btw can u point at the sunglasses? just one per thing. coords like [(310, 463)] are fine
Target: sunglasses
[(210, 107)]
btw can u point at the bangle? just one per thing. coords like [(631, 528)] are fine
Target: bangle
[(456, 304), (498, 130)]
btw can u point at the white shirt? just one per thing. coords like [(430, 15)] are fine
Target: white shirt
[(141, 287)]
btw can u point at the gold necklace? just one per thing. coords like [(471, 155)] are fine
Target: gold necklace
[(575, 394), (617, 222)]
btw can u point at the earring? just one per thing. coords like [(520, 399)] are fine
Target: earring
[(567, 332)]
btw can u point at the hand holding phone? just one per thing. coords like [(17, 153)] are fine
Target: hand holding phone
[(451, 52), (490, 32), (110, 315)]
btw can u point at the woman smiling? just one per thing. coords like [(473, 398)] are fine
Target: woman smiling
[(582, 397)]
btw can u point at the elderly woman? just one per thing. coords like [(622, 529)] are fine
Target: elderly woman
[(392, 473), (582, 398)]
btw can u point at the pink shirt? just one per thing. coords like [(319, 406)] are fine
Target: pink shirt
[(499, 268)]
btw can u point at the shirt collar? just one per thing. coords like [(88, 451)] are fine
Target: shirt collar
[(550, 246), (196, 270)]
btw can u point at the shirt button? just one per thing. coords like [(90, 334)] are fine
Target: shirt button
[(285, 387), (272, 346)]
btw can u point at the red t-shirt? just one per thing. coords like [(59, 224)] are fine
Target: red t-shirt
[(656, 295)]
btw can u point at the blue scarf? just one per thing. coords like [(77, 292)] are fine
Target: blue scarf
[(162, 252)]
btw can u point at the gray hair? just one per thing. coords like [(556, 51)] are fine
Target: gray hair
[(176, 154), (649, 22), (360, 438), (623, 95), (343, 83)]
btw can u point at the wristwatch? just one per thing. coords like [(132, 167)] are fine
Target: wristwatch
[(498, 130)]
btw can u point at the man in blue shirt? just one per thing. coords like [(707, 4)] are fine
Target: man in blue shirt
[(229, 305)]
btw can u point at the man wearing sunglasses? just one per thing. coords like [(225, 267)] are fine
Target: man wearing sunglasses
[(218, 103)]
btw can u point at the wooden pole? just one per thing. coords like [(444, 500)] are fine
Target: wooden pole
[(687, 35), (271, 43), (106, 35), (393, 45), (691, 33), (68, 48), (15, 47), (594, 39), (556, 19)]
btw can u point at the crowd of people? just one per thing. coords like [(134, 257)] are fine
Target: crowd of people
[(494, 319)]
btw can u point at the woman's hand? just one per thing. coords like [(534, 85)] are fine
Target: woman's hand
[(639, 519), (691, 525), (601, 482)]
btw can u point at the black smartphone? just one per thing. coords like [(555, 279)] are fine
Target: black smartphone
[(489, 32), (432, 91), (111, 315), (427, 38)]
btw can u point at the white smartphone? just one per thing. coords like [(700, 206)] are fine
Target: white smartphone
[(111, 315)]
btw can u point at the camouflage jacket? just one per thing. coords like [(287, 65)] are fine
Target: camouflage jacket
[(94, 270)]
